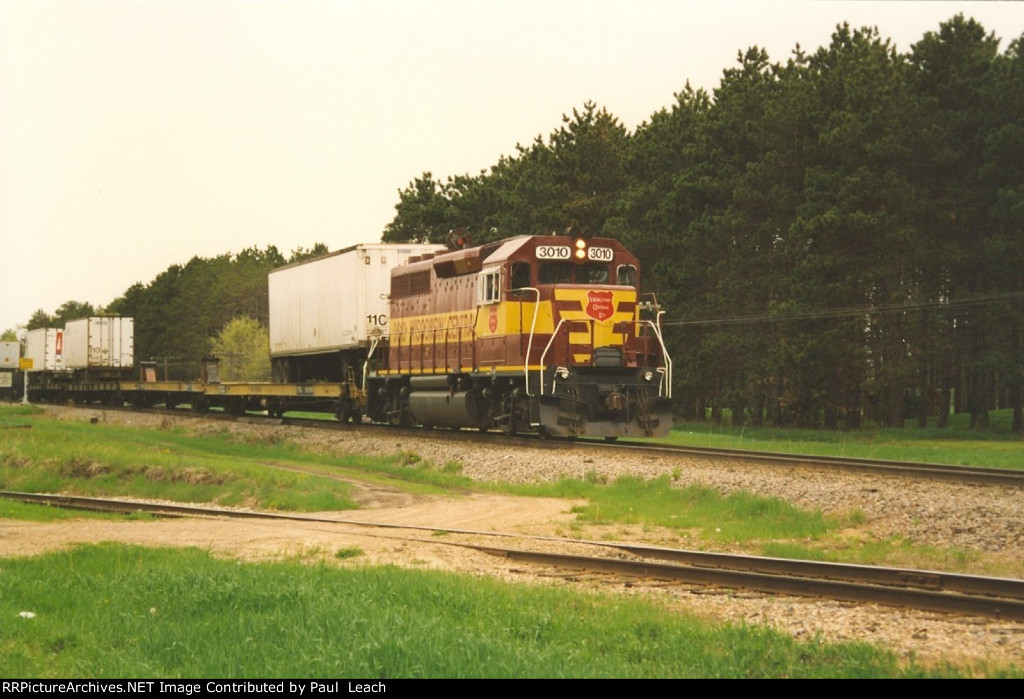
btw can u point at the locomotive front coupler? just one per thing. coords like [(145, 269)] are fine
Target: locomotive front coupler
[(616, 401)]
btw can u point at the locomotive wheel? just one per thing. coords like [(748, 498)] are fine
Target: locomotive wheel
[(398, 414), (344, 413), (511, 406)]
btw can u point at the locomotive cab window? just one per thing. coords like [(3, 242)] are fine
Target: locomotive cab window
[(626, 275), (555, 272), (489, 287), (572, 273), (592, 274), (520, 275)]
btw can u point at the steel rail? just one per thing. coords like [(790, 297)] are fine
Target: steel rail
[(788, 584), (978, 475), (1000, 598)]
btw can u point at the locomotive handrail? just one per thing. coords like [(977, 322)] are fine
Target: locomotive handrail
[(664, 353), (666, 374), (529, 343), (545, 353), (369, 356), (472, 344)]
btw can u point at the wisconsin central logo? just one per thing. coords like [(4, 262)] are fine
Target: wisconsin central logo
[(599, 305)]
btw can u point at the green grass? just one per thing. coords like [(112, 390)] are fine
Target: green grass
[(116, 611), (9, 509), (42, 455), (894, 552), (737, 517), (958, 445)]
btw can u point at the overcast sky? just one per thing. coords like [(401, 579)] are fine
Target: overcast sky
[(138, 134)]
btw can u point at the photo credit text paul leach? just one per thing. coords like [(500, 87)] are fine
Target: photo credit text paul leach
[(191, 688)]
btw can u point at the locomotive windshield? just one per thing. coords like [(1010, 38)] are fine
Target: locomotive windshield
[(571, 273)]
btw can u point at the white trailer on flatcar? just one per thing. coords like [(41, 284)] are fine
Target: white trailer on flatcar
[(99, 343), (326, 313), (45, 347), (10, 353)]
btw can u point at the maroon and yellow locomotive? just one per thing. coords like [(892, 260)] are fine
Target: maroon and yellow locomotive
[(545, 333)]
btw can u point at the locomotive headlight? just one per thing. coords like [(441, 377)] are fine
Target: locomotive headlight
[(648, 375), (581, 249)]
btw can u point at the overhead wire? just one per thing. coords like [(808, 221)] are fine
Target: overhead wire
[(824, 314)]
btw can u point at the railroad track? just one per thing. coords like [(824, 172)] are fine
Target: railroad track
[(976, 475), (999, 598)]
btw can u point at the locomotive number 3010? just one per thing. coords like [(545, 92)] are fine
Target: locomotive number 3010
[(553, 252)]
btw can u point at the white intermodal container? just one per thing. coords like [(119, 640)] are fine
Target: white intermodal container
[(45, 347), (340, 301), (99, 343), (10, 353)]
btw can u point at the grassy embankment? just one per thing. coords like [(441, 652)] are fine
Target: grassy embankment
[(106, 612), (272, 473), (957, 444)]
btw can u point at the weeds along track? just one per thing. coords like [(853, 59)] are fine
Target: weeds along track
[(966, 595), (972, 475), (975, 475)]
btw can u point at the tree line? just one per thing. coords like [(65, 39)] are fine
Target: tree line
[(837, 238), (206, 307)]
